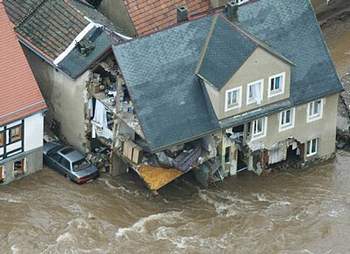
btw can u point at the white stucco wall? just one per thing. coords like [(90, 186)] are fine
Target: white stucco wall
[(33, 132)]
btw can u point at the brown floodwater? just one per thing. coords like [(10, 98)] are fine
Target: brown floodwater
[(293, 211), (288, 212), (337, 35)]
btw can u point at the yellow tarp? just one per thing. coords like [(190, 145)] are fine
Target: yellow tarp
[(156, 177)]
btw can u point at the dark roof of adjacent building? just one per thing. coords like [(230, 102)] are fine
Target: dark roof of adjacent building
[(19, 92), (160, 69), (49, 27), (153, 15)]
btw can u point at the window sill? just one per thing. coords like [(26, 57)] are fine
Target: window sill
[(313, 118), (311, 155), (276, 93), (286, 127), (232, 108), (258, 136)]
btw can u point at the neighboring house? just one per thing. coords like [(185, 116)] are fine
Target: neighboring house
[(21, 109), (139, 17), (62, 40)]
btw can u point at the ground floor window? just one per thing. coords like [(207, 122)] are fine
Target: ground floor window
[(19, 168), (259, 128), (312, 147)]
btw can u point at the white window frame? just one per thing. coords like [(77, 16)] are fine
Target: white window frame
[(314, 117), (309, 151), (252, 101), (239, 98), (261, 134), (281, 91), (285, 126)]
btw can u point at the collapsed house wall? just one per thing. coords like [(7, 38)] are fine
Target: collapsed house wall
[(323, 129), (65, 97)]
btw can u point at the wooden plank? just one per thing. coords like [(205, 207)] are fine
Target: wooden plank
[(157, 177)]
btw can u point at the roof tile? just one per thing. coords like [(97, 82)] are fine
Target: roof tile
[(19, 92), (150, 16)]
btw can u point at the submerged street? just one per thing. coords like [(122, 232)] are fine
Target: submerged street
[(292, 211), (299, 211)]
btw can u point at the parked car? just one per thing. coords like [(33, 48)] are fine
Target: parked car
[(69, 162)]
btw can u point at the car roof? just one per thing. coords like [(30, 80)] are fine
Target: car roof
[(71, 154)]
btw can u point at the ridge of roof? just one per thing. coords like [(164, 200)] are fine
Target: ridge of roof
[(245, 35), (256, 40)]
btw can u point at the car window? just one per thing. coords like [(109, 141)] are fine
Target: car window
[(57, 157), (54, 150), (65, 163), (80, 165)]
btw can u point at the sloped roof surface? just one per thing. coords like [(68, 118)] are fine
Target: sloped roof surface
[(160, 73), (19, 92), (50, 26), (74, 64), (226, 51), (291, 28), (167, 97), (153, 15)]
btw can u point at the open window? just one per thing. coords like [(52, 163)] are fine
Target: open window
[(233, 99), (19, 168), (312, 147), (276, 85), (287, 119), (255, 92), (16, 134), (315, 110)]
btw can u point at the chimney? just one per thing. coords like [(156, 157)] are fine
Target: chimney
[(182, 14), (231, 10)]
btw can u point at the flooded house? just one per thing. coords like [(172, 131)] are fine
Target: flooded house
[(216, 91), (22, 109), (247, 89)]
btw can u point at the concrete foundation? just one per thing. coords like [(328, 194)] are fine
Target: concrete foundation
[(33, 162)]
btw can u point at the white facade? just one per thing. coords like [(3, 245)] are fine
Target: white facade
[(29, 136), (33, 132)]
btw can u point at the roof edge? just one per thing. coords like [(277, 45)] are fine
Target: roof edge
[(206, 43)]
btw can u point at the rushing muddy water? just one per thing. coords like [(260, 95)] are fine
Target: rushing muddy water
[(295, 211), (337, 35)]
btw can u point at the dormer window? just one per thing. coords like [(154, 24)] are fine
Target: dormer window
[(276, 84), (233, 98), (255, 92)]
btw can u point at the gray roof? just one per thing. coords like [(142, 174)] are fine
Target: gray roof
[(291, 28), (168, 97), (160, 70), (75, 63), (226, 50)]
